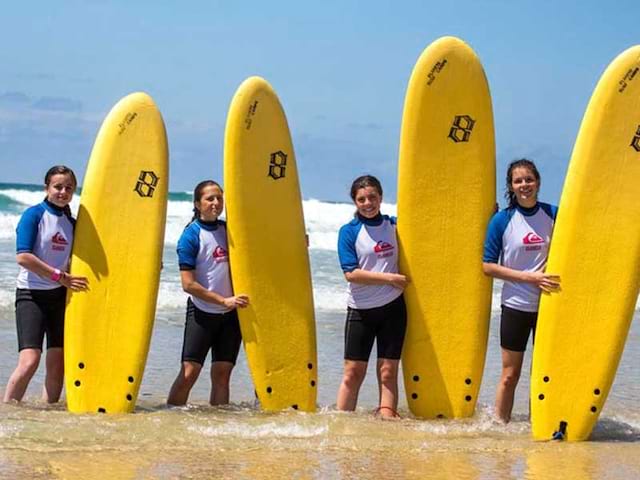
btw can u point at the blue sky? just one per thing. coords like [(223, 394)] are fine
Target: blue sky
[(340, 68)]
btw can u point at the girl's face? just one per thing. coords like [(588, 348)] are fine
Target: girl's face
[(525, 186), (211, 203), (60, 189), (368, 202)]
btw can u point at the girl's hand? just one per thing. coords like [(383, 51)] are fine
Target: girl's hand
[(237, 301), (74, 282), (399, 281), (547, 282)]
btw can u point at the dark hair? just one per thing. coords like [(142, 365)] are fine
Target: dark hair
[(197, 195), (365, 181), (61, 170), (524, 163)]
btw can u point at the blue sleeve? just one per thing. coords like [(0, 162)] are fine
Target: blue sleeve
[(493, 241), (27, 230), (393, 220), (550, 210), (347, 247), (188, 247)]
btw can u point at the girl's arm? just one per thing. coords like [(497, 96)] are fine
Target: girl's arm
[(192, 287), (546, 282), (377, 278), (34, 264)]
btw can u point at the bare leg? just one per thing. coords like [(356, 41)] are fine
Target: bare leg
[(220, 376), (179, 393), (354, 372), (54, 375), (511, 366), (387, 370), (28, 361)]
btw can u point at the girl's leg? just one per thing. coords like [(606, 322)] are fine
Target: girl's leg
[(354, 373), (179, 393), (511, 366), (54, 375), (28, 361), (387, 370), (220, 376)]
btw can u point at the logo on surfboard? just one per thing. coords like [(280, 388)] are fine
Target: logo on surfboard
[(277, 165), (635, 143), (461, 128), (147, 183)]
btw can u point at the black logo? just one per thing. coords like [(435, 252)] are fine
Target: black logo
[(635, 143), (147, 183), (437, 68), (461, 128), (277, 165)]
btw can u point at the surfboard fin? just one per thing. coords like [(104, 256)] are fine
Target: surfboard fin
[(562, 430)]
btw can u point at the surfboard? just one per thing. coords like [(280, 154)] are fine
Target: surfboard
[(446, 196), (268, 251), (118, 246), (596, 251)]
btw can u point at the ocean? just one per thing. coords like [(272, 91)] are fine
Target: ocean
[(240, 441)]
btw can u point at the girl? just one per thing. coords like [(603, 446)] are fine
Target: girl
[(43, 245), (368, 252), (212, 321), (515, 251)]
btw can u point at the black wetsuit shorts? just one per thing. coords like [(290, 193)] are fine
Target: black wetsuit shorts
[(219, 332), (515, 327), (40, 312), (386, 324)]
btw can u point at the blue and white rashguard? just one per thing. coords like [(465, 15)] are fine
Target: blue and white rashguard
[(203, 247), (519, 238), (45, 231), (369, 244)]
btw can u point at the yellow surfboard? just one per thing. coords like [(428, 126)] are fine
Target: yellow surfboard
[(596, 251), (446, 196), (118, 246), (268, 251)]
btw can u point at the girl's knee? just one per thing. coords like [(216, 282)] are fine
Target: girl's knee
[(510, 378), (29, 361), (221, 374), (353, 376)]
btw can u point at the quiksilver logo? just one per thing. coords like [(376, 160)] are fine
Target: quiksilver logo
[(219, 254), (531, 238)]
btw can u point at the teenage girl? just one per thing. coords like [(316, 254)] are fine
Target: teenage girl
[(43, 245), (368, 252), (516, 250), (212, 320)]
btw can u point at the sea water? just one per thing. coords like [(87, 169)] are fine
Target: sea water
[(240, 441)]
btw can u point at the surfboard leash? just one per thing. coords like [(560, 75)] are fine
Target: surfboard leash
[(561, 432)]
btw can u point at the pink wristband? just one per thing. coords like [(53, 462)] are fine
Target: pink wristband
[(56, 275)]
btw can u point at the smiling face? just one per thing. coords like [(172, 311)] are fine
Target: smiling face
[(367, 201), (525, 186), (211, 203), (60, 189)]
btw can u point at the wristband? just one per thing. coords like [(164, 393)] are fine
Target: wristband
[(56, 275)]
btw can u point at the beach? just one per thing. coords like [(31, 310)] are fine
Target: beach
[(240, 441)]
